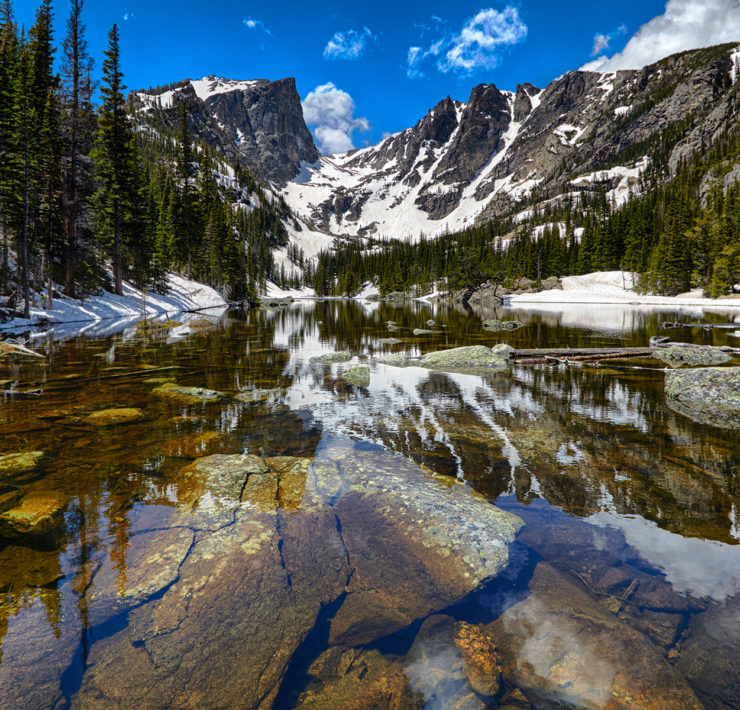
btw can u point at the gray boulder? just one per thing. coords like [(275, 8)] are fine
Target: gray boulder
[(708, 395), (472, 357), (691, 356), (340, 356), (496, 325)]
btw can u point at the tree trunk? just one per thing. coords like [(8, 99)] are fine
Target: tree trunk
[(26, 206), (117, 266)]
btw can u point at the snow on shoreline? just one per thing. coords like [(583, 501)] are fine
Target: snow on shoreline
[(613, 288), (182, 295)]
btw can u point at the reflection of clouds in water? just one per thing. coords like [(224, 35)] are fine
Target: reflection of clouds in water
[(556, 649), (436, 673), (691, 565)]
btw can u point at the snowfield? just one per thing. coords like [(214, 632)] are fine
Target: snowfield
[(615, 287), (182, 295)]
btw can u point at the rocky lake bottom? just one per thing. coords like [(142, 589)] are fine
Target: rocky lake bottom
[(234, 515)]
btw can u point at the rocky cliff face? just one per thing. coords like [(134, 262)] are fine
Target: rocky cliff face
[(465, 161), (258, 123)]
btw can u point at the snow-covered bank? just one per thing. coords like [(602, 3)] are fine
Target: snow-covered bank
[(182, 295), (615, 287), (274, 291)]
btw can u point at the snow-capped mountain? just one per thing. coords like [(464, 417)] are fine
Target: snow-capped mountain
[(500, 152), (464, 161)]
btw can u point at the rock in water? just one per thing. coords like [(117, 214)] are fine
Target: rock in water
[(709, 395), (19, 464), (691, 355), (189, 395), (37, 514), (359, 376), (564, 648), (424, 331), (496, 325), (340, 356), (417, 542), (472, 357), (114, 417)]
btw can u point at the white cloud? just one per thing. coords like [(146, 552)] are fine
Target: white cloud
[(685, 24), (601, 41), (331, 112), (252, 24), (349, 44), (482, 38), (128, 16), (477, 46)]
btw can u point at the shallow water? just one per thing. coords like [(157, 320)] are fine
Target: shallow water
[(336, 581)]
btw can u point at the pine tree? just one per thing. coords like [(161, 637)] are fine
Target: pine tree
[(76, 69), (112, 157)]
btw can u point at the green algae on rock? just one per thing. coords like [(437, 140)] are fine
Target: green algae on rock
[(189, 395), (359, 376), (707, 395), (327, 358), (115, 416)]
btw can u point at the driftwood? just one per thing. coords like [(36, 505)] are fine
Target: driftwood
[(546, 355), (17, 349)]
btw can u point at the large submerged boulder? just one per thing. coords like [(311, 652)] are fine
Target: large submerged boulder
[(708, 395), (354, 544), (565, 649), (178, 394)]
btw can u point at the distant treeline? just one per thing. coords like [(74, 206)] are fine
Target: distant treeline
[(677, 233)]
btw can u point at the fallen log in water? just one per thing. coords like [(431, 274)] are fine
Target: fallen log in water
[(541, 356)]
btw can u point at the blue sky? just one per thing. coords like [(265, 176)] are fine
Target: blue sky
[(379, 66)]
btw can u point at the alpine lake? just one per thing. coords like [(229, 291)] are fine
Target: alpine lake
[(204, 518)]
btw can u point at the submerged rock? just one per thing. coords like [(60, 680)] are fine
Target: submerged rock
[(431, 323), (358, 679), (708, 395), (17, 464), (417, 542), (189, 395), (388, 341), (436, 668), (710, 656), (359, 376), (193, 446), (423, 331), (37, 513), (255, 396), (395, 359), (114, 417), (691, 355), (496, 325), (151, 563), (564, 648), (340, 356)]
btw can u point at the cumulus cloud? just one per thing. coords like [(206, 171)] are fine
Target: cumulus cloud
[(685, 24), (252, 24), (331, 113), (478, 45), (349, 44), (128, 16)]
